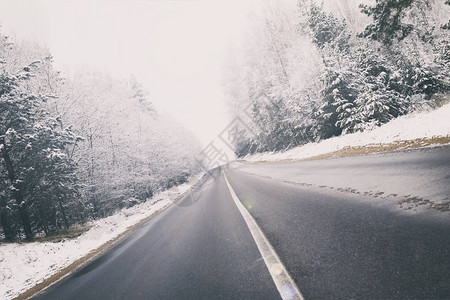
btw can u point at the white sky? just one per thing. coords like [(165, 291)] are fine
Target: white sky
[(175, 48)]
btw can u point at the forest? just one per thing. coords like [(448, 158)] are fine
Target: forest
[(315, 70), (78, 147)]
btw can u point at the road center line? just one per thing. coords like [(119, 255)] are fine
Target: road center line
[(286, 286)]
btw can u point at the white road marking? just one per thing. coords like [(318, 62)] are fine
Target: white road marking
[(283, 281)]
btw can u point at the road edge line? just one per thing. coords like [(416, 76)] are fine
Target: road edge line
[(283, 281)]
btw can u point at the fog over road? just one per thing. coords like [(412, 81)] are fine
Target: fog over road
[(338, 239)]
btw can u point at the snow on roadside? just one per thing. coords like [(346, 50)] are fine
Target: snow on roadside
[(416, 125), (22, 266)]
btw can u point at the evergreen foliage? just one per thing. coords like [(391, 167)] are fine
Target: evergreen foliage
[(78, 148), (326, 74)]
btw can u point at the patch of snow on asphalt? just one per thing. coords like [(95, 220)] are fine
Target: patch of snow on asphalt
[(416, 125), (23, 266)]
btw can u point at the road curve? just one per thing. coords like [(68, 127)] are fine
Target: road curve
[(338, 244), (334, 243), (193, 250)]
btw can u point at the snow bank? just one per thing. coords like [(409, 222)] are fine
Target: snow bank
[(22, 266), (416, 125)]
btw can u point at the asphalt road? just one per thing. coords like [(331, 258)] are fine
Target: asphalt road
[(340, 244), (200, 250), (336, 244)]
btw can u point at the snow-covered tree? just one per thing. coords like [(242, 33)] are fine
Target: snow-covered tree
[(33, 154), (412, 39), (15, 110), (331, 36), (388, 22), (329, 69), (78, 146)]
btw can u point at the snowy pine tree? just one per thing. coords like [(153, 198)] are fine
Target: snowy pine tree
[(339, 92), (40, 174)]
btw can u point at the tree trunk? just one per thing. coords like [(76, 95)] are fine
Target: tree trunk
[(17, 193), (66, 222), (4, 221)]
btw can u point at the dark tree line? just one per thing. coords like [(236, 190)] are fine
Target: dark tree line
[(321, 77), (78, 148)]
